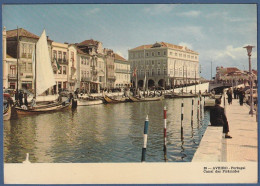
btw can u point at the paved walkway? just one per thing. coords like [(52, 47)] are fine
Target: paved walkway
[(243, 128)]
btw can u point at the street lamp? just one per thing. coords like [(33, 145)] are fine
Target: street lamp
[(249, 51)]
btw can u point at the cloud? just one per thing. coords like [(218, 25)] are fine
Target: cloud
[(191, 13), (194, 32), (159, 9), (185, 44), (93, 11)]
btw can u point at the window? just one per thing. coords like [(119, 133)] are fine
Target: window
[(59, 55), (152, 62), (180, 55), (164, 53), (158, 71), (152, 72), (152, 53), (159, 53), (184, 55), (188, 56), (64, 56), (87, 61), (60, 70), (176, 54), (158, 62), (64, 69), (171, 71), (54, 54), (170, 53), (142, 72), (165, 71), (147, 54), (147, 72), (12, 69)]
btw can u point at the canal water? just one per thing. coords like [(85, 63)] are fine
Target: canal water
[(105, 133)]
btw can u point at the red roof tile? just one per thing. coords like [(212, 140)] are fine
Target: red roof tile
[(88, 42), (118, 57), (22, 33), (164, 44)]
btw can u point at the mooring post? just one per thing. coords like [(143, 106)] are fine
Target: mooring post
[(182, 107), (192, 103), (146, 123), (164, 132), (198, 110)]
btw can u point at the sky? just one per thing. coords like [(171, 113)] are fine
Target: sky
[(218, 32)]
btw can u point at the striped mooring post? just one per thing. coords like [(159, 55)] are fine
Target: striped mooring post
[(200, 107), (146, 123), (182, 106), (192, 108), (198, 110), (164, 131)]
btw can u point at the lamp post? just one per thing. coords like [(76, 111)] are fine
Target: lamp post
[(249, 51)]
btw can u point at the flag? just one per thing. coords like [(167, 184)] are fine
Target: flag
[(57, 64), (134, 72)]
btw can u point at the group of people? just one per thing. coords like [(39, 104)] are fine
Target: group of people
[(239, 93), (21, 97)]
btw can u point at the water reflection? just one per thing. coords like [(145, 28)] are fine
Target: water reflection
[(106, 133)]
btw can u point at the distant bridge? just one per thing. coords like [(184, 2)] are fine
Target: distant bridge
[(218, 87)]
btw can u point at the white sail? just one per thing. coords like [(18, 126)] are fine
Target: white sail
[(44, 72)]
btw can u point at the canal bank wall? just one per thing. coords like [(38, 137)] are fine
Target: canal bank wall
[(243, 147)]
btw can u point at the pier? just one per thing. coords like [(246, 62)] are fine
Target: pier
[(243, 145)]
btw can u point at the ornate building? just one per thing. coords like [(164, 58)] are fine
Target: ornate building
[(122, 72), (164, 64)]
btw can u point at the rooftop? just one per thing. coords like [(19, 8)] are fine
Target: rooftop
[(163, 45), (118, 57)]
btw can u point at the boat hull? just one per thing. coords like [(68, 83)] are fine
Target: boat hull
[(135, 99), (21, 111), (7, 114), (89, 102), (111, 100)]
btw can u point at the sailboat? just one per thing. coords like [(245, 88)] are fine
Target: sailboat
[(43, 79)]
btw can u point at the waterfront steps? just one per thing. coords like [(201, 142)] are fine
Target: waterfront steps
[(241, 148)]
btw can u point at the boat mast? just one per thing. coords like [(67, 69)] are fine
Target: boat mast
[(17, 50), (35, 70), (186, 79), (195, 80), (182, 77)]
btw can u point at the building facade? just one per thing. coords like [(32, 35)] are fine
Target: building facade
[(72, 67), (122, 72), (163, 64), (60, 66), (20, 45)]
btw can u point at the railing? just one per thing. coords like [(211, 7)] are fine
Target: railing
[(12, 76), (85, 79), (122, 71)]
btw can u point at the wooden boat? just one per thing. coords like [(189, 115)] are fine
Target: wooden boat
[(136, 99), (7, 109), (180, 95), (44, 79), (43, 108), (112, 100), (88, 102)]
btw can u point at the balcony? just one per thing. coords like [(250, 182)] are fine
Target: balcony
[(122, 71), (112, 77), (85, 79), (12, 76)]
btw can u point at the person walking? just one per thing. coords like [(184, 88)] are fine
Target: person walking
[(229, 94), (241, 95), (20, 96), (25, 99), (218, 118)]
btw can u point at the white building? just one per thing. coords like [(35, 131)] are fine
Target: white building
[(72, 68), (164, 64), (60, 65), (122, 72)]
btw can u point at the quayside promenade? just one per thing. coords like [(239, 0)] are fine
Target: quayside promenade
[(243, 145)]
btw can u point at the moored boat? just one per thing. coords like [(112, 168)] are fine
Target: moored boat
[(136, 99), (7, 107), (88, 102), (114, 100), (44, 79)]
